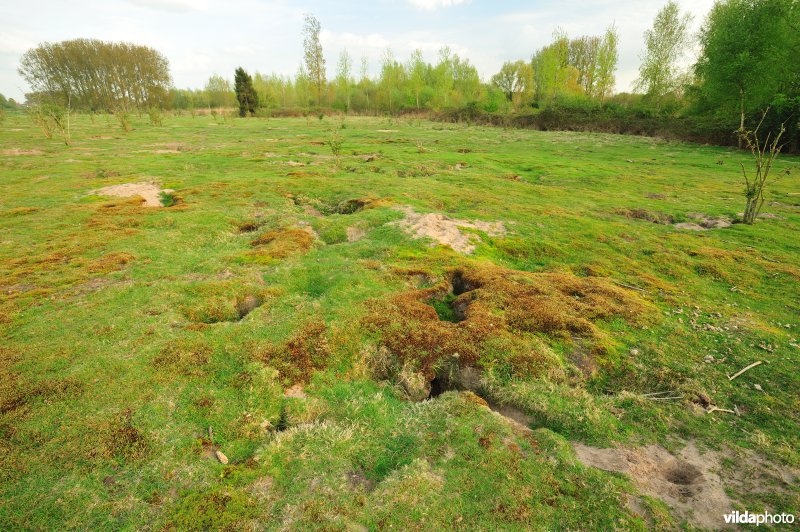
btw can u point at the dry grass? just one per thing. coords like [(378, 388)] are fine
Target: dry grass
[(501, 313)]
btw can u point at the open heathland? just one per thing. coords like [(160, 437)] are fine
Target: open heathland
[(362, 322)]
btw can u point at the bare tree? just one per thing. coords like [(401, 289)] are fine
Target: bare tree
[(764, 154)]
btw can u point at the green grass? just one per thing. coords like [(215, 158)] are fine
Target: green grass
[(123, 339)]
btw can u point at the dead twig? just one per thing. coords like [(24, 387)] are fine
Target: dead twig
[(751, 366), (718, 409), (623, 285)]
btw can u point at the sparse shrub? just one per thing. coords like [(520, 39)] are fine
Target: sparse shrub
[(335, 143), (124, 119), (764, 155), (156, 116)]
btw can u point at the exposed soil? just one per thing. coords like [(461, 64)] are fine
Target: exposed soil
[(17, 151), (354, 234), (446, 230), (149, 192), (688, 483), (700, 222)]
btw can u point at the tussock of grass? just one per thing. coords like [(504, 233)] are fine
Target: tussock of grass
[(501, 313), (299, 356)]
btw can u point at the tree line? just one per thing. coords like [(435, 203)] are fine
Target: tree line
[(747, 62)]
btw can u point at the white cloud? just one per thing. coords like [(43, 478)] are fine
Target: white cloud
[(172, 6), (430, 5)]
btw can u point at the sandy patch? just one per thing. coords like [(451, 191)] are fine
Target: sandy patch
[(149, 192), (702, 222), (688, 483), (17, 151), (446, 230), (354, 234), (294, 163)]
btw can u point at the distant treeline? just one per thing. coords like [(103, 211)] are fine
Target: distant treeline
[(748, 62)]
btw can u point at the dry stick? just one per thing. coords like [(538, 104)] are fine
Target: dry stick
[(631, 287), (754, 364), (718, 409)]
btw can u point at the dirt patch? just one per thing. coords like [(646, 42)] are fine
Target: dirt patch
[(492, 315), (247, 226), (699, 221), (688, 483), (643, 214), (149, 192), (444, 229), (709, 222), (18, 151), (354, 234)]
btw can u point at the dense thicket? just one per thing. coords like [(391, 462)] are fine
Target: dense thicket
[(96, 75)]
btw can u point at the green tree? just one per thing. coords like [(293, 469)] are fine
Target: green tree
[(607, 58), (344, 78), (314, 59), (218, 92), (665, 44), (749, 55), (96, 75), (516, 81), (417, 73), (246, 95)]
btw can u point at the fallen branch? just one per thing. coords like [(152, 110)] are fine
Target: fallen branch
[(631, 287), (718, 409), (751, 366)]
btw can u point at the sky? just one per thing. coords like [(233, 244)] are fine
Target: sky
[(204, 37)]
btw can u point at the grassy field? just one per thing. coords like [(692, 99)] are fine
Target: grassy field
[(278, 312)]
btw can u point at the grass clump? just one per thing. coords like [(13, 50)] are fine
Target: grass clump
[(280, 244), (489, 316), (299, 356)]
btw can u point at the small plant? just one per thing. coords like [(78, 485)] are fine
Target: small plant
[(168, 199), (124, 119), (51, 118), (335, 142), (156, 116), (764, 155), (321, 116)]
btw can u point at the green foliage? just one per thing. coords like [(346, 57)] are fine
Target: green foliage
[(665, 45), (91, 74), (156, 116), (246, 95)]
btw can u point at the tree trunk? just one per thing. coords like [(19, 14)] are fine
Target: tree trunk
[(741, 115)]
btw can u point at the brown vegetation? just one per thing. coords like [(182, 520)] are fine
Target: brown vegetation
[(497, 318)]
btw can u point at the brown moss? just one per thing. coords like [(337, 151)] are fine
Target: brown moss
[(283, 242), (501, 314), (110, 262), (19, 211), (186, 357), (121, 439), (299, 356)]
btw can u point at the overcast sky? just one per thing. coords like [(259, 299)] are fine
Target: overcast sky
[(203, 37)]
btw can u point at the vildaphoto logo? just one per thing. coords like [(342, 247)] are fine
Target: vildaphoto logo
[(747, 518)]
